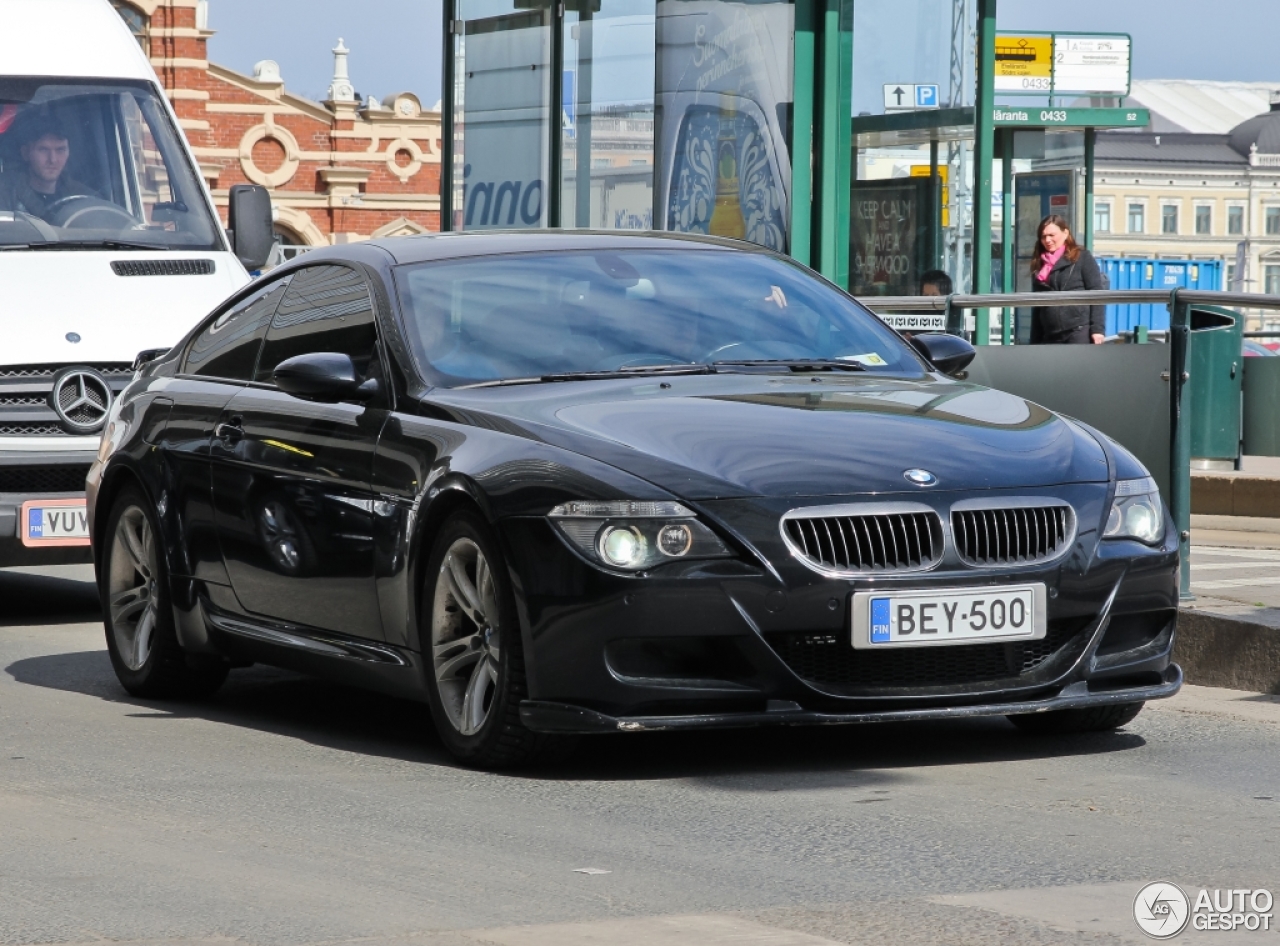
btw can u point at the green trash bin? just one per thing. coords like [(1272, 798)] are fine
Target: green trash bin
[(1216, 369)]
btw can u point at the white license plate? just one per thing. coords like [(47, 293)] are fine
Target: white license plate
[(930, 618), (54, 522)]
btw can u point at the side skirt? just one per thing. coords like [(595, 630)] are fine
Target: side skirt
[(371, 665)]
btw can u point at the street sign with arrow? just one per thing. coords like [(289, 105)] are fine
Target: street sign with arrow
[(909, 96), (899, 97)]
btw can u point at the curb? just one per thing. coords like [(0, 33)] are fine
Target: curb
[(1235, 494), (1236, 651)]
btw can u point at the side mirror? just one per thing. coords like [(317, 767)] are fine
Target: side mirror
[(950, 354), (249, 224), (326, 376)]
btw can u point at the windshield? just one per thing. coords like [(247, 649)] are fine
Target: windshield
[(95, 164), (537, 314)]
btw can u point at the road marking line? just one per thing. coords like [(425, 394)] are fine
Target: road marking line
[(1233, 583), (1259, 555), (704, 930), (1223, 566)]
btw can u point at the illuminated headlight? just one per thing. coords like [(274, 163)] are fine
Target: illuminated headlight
[(1136, 512), (633, 536)]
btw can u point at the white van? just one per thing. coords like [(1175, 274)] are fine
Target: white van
[(109, 245)]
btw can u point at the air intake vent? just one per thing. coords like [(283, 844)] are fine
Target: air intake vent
[(44, 479), (872, 541), (163, 267), (1013, 535), (830, 661)]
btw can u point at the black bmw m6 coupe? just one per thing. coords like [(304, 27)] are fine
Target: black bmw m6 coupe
[(563, 483)]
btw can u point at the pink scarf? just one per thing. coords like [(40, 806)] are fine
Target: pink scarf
[(1050, 260)]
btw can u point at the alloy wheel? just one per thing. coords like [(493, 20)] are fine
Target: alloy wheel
[(132, 587), (465, 637)]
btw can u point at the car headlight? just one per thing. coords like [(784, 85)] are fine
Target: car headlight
[(1136, 512), (632, 535)]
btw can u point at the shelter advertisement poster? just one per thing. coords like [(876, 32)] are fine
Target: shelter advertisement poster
[(724, 105), (503, 110), (891, 235)]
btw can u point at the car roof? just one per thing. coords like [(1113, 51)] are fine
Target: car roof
[(440, 246), (69, 38)]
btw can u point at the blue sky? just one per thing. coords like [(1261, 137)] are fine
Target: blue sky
[(395, 44)]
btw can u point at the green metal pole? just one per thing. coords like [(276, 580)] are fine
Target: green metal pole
[(1006, 233), (836, 136), (936, 249), (1180, 428), (555, 177), (802, 138), (983, 148), (446, 120), (1090, 139), (582, 119)]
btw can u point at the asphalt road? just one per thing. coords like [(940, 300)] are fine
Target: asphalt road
[(290, 811)]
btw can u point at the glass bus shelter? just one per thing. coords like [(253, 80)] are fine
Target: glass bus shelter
[(678, 115)]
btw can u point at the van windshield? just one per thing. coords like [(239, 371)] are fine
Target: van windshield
[(96, 164)]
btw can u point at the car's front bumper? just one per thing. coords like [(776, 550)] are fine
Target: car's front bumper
[(29, 469), (728, 642), (563, 718)]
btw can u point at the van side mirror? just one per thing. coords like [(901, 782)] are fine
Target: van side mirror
[(249, 224), (325, 376), (948, 353)]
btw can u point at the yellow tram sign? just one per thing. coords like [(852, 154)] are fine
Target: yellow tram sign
[(1024, 63)]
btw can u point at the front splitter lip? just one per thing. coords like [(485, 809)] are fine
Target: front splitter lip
[(547, 717)]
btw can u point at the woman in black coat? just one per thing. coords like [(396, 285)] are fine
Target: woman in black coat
[(1060, 265)]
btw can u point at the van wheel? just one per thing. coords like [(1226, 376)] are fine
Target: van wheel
[(1087, 719), (473, 652), (134, 586)]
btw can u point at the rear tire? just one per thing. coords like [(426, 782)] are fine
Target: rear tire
[(473, 652), (1087, 719), (137, 612)]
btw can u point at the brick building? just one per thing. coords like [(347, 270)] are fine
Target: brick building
[(339, 171)]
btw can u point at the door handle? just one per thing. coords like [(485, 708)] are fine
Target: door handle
[(230, 431)]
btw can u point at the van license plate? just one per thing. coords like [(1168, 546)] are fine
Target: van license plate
[(948, 616), (54, 522)]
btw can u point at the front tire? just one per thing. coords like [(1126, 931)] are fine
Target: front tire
[(134, 586), (473, 651), (1086, 719)]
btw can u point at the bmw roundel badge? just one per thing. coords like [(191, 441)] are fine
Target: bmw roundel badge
[(920, 477)]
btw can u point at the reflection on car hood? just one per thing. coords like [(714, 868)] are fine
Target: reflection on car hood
[(715, 437)]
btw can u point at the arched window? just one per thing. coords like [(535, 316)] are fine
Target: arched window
[(135, 19)]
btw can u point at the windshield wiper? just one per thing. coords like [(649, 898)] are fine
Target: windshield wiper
[(628, 372), (794, 364), (96, 245)]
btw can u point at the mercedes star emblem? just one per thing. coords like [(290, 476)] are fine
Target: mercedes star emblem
[(920, 477), (81, 398)]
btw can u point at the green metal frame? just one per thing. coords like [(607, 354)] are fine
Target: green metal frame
[(446, 119), (804, 72), (983, 151), (833, 134), (1180, 424)]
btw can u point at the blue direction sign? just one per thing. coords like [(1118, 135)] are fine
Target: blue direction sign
[(926, 96)]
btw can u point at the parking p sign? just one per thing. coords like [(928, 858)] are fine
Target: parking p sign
[(926, 96)]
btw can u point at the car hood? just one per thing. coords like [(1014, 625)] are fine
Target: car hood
[(730, 436), (55, 296)]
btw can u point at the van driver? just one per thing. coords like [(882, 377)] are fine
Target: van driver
[(41, 179)]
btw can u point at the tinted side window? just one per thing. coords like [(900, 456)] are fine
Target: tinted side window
[(326, 308), (228, 347)]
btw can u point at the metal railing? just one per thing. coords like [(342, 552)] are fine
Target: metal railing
[(1179, 301)]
